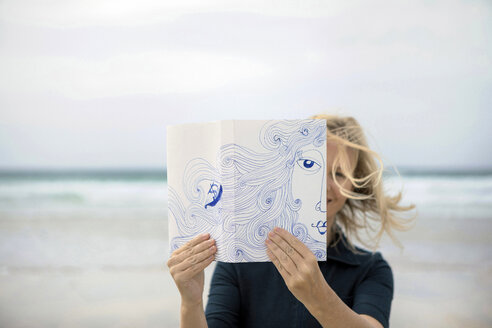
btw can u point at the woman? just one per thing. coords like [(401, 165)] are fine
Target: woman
[(353, 288)]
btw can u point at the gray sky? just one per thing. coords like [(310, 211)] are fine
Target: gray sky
[(90, 84)]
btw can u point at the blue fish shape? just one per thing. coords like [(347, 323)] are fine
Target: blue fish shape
[(217, 194)]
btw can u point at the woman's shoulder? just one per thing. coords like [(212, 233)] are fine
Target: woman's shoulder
[(374, 270), (355, 255), (373, 261), (365, 255)]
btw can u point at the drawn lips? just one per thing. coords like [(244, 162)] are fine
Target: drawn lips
[(321, 226)]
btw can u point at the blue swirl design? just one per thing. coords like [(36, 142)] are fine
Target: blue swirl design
[(256, 194)]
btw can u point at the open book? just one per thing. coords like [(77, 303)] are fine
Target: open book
[(237, 180)]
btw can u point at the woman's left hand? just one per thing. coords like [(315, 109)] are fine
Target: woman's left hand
[(298, 266)]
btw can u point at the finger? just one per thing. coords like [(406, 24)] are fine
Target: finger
[(191, 243), (276, 262), (298, 245), (189, 252), (191, 271), (284, 259), (194, 259), (283, 244)]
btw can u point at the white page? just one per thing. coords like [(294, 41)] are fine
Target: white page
[(238, 180)]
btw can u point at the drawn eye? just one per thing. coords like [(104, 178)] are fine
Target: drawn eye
[(308, 165)]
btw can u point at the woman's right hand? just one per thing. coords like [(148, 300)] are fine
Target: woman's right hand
[(186, 266)]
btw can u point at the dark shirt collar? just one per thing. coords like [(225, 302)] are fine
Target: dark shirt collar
[(340, 252)]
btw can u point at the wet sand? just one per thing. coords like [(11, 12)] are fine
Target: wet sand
[(106, 268)]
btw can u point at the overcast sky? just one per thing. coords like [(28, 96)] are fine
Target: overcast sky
[(93, 84)]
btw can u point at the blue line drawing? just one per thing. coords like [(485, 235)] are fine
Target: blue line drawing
[(216, 194), (321, 226), (247, 193)]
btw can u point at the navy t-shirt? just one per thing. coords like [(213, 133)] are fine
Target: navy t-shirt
[(255, 294)]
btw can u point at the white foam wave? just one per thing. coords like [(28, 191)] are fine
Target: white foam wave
[(86, 194)]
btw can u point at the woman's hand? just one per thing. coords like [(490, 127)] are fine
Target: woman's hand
[(298, 266), (186, 266)]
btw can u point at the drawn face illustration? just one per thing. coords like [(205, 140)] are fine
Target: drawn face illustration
[(323, 199), (221, 183), (308, 185)]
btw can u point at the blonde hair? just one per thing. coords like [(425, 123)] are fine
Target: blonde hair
[(367, 207)]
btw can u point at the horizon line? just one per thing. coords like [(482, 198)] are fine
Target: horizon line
[(147, 171)]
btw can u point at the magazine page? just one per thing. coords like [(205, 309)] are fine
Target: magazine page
[(237, 180)]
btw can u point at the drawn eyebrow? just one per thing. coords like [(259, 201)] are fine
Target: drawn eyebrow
[(312, 153)]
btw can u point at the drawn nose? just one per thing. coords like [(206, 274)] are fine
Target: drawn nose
[(319, 207)]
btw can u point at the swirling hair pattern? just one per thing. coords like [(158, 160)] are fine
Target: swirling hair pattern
[(257, 193)]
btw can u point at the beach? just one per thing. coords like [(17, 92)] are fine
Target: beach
[(90, 253)]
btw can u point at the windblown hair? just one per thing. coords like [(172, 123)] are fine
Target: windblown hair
[(367, 209)]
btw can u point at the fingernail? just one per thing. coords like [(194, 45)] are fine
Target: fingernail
[(276, 229)]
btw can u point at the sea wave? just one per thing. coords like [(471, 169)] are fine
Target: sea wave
[(448, 196), (89, 193)]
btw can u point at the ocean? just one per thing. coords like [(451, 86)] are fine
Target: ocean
[(99, 239), (81, 202), (445, 194), (82, 220)]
